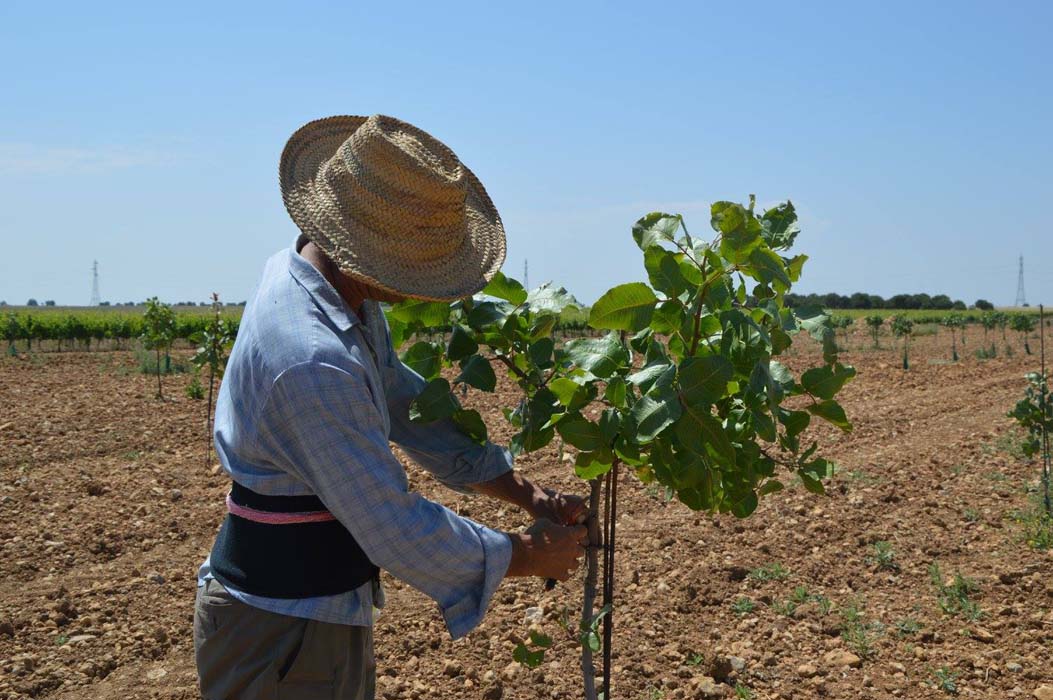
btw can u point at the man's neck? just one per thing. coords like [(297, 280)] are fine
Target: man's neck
[(350, 290)]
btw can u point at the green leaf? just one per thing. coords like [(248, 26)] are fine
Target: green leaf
[(781, 375), (600, 356), (506, 288), (702, 434), (476, 371), (530, 659), (653, 414), (795, 265), (655, 228), (461, 344), (398, 331), (768, 267), (663, 270), (427, 313), (424, 358), (831, 412), (668, 316), (825, 382), (471, 423), (615, 392), (770, 486), (580, 432), (540, 640), (590, 465), (485, 313), (569, 393), (740, 232), (627, 307), (547, 298), (745, 507), (610, 423), (434, 403), (705, 379), (812, 484), (648, 375), (542, 326), (794, 421), (540, 352), (780, 226)]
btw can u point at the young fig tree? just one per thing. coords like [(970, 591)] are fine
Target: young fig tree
[(214, 343), (903, 327), (158, 333), (685, 389), (874, 323), (1024, 324)]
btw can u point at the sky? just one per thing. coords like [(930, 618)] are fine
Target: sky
[(915, 138)]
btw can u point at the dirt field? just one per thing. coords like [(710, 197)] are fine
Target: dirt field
[(107, 508)]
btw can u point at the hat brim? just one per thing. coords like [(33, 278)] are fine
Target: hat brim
[(460, 274)]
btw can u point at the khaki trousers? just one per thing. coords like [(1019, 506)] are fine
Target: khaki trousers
[(244, 653)]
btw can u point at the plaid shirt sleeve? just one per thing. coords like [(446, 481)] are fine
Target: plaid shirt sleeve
[(320, 422), (440, 447)]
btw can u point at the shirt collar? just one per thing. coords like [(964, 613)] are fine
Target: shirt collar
[(324, 295)]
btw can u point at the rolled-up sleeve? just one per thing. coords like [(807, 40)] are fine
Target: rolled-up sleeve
[(321, 420), (440, 447)]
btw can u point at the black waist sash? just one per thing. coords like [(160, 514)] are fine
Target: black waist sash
[(292, 560)]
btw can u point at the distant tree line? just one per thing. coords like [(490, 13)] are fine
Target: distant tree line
[(49, 302), (861, 300)]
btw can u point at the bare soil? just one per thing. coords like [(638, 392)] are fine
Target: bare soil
[(107, 507)]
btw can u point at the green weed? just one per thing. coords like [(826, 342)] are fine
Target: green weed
[(953, 595), (769, 572), (743, 606), (857, 633), (884, 556), (945, 680), (908, 627)]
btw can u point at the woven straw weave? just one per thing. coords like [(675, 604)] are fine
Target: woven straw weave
[(393, 206)]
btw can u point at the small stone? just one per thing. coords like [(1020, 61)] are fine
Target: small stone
[(898, 667), (494, 692), (533, 616), (1014, 667), (706, 687), (451, 668), (510, 671), (156, 674), (982, 635), (1044, 692), (80, 638), (840, 658), (156, 578), (737, 663), (807, 670), (174, 495)]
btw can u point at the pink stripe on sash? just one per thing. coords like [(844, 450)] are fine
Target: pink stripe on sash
[(262, 516)]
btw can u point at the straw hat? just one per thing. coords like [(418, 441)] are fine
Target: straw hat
[(393, 206)]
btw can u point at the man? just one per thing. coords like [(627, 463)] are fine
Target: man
[(312, 395)]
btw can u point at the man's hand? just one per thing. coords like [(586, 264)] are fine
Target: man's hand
[(565, 509), (515, 488), (548, 550)]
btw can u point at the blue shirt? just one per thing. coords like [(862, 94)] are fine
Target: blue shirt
[(312, 394)]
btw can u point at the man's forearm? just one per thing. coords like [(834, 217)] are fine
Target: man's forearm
[(513, 488)]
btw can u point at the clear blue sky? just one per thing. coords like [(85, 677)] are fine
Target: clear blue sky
[(915, 138)]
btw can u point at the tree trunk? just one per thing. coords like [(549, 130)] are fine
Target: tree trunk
[(208, 419), (588, 671)]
